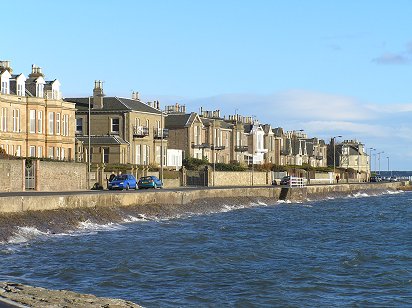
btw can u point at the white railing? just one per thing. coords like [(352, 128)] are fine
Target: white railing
[(297, 182)]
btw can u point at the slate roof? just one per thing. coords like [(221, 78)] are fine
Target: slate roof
[(179, 120), (112, 103), (98, 140), (222, 123)]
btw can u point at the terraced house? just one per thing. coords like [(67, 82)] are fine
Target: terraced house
[(34, 120), (120, 130)]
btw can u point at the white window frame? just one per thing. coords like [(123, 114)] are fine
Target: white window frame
[(20, 89), (58, 118), (32, 117), (39, 152), (5, 87), (16, 120), (51, 123), (32, 151), (3, 126), (40, 121), (112, 125), (138, 154)]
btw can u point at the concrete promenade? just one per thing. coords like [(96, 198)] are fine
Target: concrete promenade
[(22, 202)]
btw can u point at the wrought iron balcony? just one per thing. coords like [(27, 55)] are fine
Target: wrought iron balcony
[(284, 152), (140, 131), (200, 146), (241, 148), (217, 147), (161, 133), (319, 157)]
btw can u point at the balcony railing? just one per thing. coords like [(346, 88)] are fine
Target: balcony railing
[(241, 148), (217, 147), (200, 146), (319, 157), (140, 131), (284, 152), (161, 133)]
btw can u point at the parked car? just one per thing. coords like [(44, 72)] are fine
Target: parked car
[(375, 178), (393, 179), (285, 180), (123, 181), (149, 182)]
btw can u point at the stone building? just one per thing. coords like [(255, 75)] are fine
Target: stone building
[(349, 154), (34, 120), (122, 130)]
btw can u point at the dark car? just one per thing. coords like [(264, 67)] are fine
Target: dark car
[(149, 182), (285, 180), (124, 181), (375, 179)]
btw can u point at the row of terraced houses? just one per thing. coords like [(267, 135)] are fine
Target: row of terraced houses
[(36, 121)]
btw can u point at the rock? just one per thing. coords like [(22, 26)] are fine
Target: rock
[(44, 298)]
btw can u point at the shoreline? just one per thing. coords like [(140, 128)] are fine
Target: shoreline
[(68, 214)]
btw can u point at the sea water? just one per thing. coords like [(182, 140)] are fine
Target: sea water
[(354, 251)]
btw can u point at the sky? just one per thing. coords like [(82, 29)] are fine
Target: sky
[(328, 67)]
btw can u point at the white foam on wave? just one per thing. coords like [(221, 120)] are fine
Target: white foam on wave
[(140, 217), (91, 226), (283, 201), (25, 234)]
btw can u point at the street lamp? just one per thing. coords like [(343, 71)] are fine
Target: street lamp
[(370, 159), (379, 161), (388, 164), (334, 152), (88, 150)]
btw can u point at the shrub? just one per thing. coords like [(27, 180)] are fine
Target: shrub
[(192, 163)]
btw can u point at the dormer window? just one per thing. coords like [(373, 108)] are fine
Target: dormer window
[(5, 87), (39, 90), (20, 90)]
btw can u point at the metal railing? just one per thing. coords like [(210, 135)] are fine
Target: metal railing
[(297, 182), (161, 133), (140, 131)]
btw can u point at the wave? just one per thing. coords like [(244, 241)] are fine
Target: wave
[(25, 234), (88, 225)]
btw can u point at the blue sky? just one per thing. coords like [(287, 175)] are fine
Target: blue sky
[(328, 67)]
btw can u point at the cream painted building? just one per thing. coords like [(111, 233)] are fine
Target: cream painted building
[(34, 120)]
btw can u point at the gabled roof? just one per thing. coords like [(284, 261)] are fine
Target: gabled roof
[(176, 120), (102, 140), (113, 103)]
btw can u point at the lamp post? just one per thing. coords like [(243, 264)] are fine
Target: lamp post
[(161, 144), (89, 147), (334, 152), (214, 151), (379, 161), (370, 159), (388, 164)]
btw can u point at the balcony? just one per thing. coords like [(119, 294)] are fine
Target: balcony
[(241, 148), (140, 131), (200, 146), (284, 152), (217, 147), (160, 133), (319, 157)]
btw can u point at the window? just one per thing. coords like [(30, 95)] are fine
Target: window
[(227, 139), (50, 152), (40, 121), (16, 120), (3, 126), (51, 123), (20, 91), (137, 122), (32, 151), (106, 155), (62, 154), (115, 125), (39, 90), (18, 150), (196, 135), (57, 153), (138, 159), (65, 125), (57, 123), (5, 87), (79, 125), (32, 121), (238, 141), (39, 152)]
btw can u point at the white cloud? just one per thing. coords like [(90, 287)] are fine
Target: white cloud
[(391, 58)]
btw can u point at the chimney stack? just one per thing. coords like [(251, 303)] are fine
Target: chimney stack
[(135, 96), (36, 71), (98, 94)]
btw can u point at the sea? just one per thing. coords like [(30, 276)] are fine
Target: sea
[(354, 251)]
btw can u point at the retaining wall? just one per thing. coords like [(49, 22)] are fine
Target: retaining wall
[(22, 203), (11, 175)]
